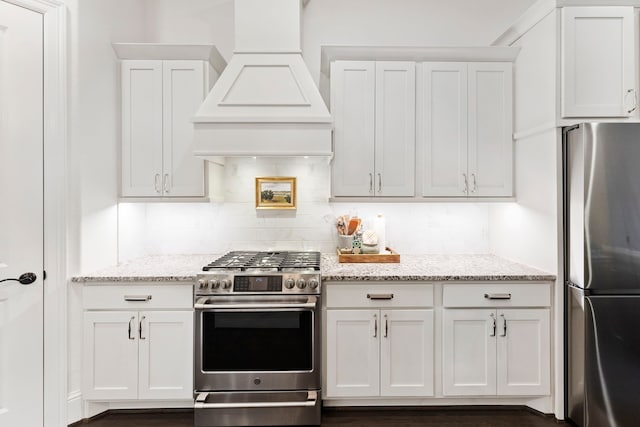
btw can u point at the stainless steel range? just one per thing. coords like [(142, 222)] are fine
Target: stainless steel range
[(257, 340)]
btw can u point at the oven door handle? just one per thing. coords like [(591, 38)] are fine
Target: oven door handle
[(312, 400), (204, 304)]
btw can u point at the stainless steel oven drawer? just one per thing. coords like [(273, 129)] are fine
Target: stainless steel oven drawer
[(225, 409)]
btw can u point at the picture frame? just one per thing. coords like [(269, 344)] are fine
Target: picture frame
[(276, 192)]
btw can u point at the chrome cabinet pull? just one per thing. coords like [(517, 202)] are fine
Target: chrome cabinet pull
[(370, 183), (157, 183), (635, 100), (141, 298), (493, 334), (466, 184), (165, 183), (386, 326), (131, 320), (140, 328), (475, 184), (379, 183), (380, 296), (375, 326), (504, 326), (497, 296)]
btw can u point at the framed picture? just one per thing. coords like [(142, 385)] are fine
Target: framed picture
[(276, 192)]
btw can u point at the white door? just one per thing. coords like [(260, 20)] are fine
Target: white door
[(442, 121), (469, 352), (353, 353), (165, 355), (110, 365), (490, 139), (21, 216), (183, 91), (395, 130), (353, 111), (598, 65), (142, 128), (524, 352), (406, 353)]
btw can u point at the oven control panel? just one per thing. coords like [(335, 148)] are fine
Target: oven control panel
[(251, 283)]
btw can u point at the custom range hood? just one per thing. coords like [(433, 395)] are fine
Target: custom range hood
[(265, 103)]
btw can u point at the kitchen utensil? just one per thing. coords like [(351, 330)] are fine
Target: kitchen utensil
[(354, 223)]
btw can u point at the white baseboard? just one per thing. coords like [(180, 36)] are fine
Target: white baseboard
[(77, 409), (74, 407)]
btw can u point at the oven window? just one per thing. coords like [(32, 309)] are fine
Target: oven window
[(257, 341)]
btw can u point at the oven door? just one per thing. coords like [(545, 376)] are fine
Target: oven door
[(257, 343)]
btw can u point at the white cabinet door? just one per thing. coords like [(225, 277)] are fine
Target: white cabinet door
[(395, 113), (524, 353), (166, 355), (183, 92), (406, 353), (110, 368), (469, 352), (353, 358), (442, 117), (490, 155), (141, 128), (353, 110), (598, 65)]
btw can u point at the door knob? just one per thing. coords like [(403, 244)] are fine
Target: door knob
[(24, 279)]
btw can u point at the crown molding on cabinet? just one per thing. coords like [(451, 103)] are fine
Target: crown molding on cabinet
[(415, 53), (540, 9), (204, 52)]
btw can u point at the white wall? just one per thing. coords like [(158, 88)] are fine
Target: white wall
[(168, 228), (94, 135)]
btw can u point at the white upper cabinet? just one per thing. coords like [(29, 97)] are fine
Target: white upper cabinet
[(598, 62), (353, 107), (373, 106), (159, 98), (490, 152), (465, 119)]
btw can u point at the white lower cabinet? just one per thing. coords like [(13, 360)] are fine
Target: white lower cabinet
[(379, 353), (488, 351), (136, 354)]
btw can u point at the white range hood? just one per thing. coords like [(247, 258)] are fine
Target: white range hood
[(265, 103)]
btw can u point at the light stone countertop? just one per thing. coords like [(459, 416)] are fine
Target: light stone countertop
[(183, 268), (433, 268), (156, 268)]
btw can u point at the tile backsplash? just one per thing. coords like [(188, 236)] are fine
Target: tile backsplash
[(179, 228)]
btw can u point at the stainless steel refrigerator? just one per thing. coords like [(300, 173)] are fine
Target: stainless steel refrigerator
[(602, 265)]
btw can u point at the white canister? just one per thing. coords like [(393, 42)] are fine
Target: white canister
[(380, 227)]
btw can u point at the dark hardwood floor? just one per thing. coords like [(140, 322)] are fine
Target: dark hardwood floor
[(410, 417)]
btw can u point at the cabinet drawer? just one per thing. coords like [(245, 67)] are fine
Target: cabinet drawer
[(497, 295), (137, 297), (379, 295)]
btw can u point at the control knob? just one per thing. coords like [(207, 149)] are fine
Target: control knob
[(301, 284), (313, 283), (226, 284), (202, 283), (289, 283), (215, 284)]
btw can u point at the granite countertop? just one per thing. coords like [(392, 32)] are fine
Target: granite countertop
[(433, 268), (156, 268), (183, 268)]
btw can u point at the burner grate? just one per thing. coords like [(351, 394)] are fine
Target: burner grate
[(280, 261)]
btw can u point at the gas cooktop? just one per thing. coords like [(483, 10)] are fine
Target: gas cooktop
[(273, 261)]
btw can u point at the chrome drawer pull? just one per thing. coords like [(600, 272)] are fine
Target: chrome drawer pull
[(380, 296), (497, 296), (142, 298)]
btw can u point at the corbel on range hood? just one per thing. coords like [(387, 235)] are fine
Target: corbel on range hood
[(265, 103)]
